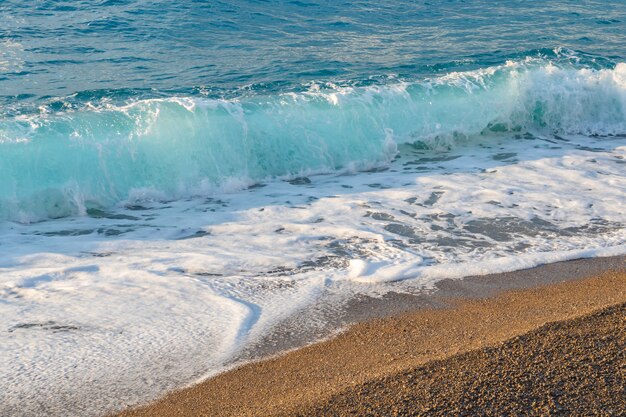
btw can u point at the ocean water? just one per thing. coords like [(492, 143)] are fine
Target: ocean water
[(178, 178)]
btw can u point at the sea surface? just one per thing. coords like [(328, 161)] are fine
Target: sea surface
[(178, 178)]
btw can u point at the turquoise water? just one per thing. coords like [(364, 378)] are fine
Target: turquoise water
[(102, 101)]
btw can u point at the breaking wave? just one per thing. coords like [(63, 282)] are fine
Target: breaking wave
[(59, 163)]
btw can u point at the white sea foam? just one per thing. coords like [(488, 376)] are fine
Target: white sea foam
[(120, 305)]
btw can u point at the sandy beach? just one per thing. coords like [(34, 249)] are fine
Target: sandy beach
[(548, 340)]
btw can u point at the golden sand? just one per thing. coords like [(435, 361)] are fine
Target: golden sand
[(330, 377)]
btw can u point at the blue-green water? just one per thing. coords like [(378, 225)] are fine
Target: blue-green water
[(116, 49), (103, 99)]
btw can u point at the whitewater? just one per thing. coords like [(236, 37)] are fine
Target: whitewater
[(187, 185), (155, 243)]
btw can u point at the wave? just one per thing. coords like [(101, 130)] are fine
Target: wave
[(60, 163)]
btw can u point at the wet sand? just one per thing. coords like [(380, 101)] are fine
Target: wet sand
[(486, 346)]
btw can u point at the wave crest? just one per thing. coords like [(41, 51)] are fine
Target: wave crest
[(57, 164)]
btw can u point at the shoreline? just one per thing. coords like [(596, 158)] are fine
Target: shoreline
[(290, 334), (399, 332)]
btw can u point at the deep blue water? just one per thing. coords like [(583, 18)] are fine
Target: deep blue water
[(219, 48)]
